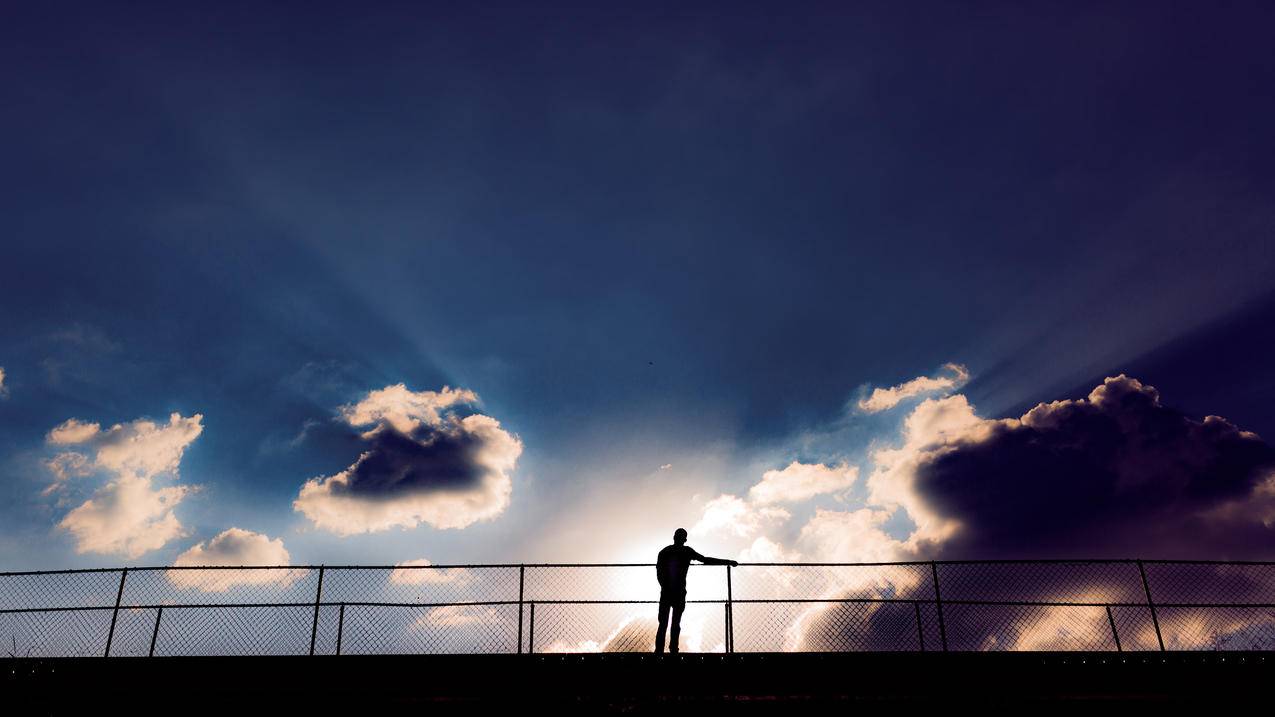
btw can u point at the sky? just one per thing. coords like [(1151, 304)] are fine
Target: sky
[(323, 283)]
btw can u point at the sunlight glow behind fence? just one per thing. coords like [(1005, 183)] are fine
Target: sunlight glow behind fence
[(1117, 605)]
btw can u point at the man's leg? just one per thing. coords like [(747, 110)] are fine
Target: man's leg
[(676, 630), (659, 634)]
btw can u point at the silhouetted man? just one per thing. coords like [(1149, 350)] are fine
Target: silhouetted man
[(670, 570)]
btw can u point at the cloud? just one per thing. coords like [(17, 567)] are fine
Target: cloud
[(405, 410), (635, 633), (234, 547), (1114, 474), (72, 430), (850, 536), (4, 390), (415, 572), (460, 616), (932, 427), (732, 515), (423, 463), (65, 466), (882, 399), (146, 448), (747, 517), (129, 515), (765, 550), (801, 481)]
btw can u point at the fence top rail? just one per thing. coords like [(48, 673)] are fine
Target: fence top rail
[(480, 566)]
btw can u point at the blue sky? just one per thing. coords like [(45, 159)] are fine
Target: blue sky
[(692, 238)]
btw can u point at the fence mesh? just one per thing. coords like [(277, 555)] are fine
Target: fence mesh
[(478, 609)]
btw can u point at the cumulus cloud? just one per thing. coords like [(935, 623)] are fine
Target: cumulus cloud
[(636, 633), (1115, 474), (418, 572), (765, 550), (932, 428), (423, 463), (460, 616), (65, 466), (146, 448), (405, 410), (850, 536), (952, 377), (732, 515), (802, 481), (129, 515), (73, 430), (234, 547)]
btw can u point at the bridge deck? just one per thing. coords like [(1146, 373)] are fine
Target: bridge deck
[(631, 682)]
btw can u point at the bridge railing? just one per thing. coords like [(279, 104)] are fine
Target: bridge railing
[(1116, 605)]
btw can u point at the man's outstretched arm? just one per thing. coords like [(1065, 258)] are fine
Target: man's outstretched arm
[(714, 561)]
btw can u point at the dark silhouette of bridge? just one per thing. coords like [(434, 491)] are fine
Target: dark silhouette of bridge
[(949, 606), (813, 635)]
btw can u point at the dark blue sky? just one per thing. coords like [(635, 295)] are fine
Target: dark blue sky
[(667, 236)]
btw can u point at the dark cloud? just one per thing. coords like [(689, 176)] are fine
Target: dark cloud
[(429, 459), (1115, 475), (422, 462)]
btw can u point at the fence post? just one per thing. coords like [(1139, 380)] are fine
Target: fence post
[(522, 574), (154, 635), (110, 635), (1114, 633), (1155, 620), (318, 597), (730, 614), (340, 627), (920, 632), (531, 631), (938, 603)]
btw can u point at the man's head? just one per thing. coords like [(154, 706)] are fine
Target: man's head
[(679, 536)]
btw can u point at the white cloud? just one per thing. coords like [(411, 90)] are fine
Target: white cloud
[(65, 466), (882, 399), (636, 633), (933, 428), (145, 448), (732, 515), (765, 550), (424, 464), (850, 537), (73, 430), (129, 516), (802, 481), (416, 572), (460, 616), (4, 391), (960, 479), (403, 409), (234, 547)]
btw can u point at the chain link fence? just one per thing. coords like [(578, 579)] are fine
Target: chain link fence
[(1115, 605)]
